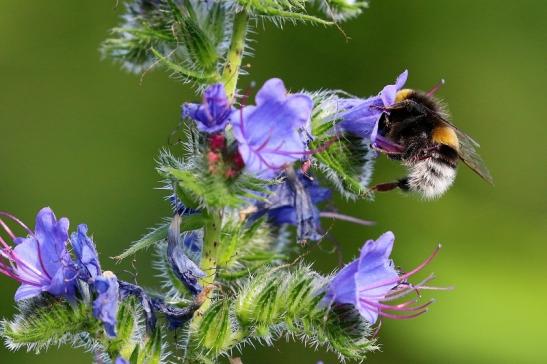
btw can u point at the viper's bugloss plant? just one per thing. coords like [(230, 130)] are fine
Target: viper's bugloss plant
[(248, 187)]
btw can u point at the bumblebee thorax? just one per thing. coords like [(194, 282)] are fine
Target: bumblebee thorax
[(403, 94)]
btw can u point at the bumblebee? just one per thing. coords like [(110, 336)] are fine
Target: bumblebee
[(416, 131)]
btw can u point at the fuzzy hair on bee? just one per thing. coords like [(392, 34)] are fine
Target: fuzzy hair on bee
[(427, 144)]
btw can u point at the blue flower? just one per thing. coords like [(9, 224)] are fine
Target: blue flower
[(361, 116), (212, 115), (120, 360), (86, 253), (40, 262), (294, 202), (372, 281), (105, 306), (270, 135)]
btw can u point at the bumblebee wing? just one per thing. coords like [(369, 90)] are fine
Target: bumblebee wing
[(468, 152)]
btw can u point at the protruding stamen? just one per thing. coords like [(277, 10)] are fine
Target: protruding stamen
[(8, 215), (7, 229), (404, 276), (343, 217)]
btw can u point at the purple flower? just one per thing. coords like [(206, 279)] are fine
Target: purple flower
[(86, 253), (105, 306), (120, 360), (270, 134), (40, 262), (371, 282), (361, 116), (212, 115)]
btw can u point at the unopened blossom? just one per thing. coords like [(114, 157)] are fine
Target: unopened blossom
[(40, 261), (272, 133), (182, 266), (361, 116), (86, 253), (105, 306), (212, 115), (294, 202), (371, 282)]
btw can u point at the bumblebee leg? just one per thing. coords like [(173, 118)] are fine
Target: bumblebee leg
[(389, 186), (384, 187)]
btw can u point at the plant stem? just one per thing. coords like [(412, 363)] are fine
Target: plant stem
[(230, 73), (208, 264)]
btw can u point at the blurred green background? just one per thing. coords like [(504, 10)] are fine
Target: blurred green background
[(80, 135)]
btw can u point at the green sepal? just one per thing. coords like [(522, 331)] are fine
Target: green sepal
[(45, 321), (123, 344), (215, 330), (346, 160), (150, 351)]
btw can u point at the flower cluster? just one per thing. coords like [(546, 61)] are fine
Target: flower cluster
[(41, 262), (270, 135)]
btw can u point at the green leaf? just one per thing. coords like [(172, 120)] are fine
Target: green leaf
[(342, 10), (294, 10), (159, 234)]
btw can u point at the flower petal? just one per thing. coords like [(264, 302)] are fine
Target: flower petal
[(272, 90), (52, 234), (389, 92), (26, 291)]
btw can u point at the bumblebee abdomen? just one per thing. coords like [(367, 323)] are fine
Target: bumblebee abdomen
[(430, 177)]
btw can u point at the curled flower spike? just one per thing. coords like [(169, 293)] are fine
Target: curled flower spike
[(269, 135), (40, 262), (212, 115), (371, 282), (361, 116)]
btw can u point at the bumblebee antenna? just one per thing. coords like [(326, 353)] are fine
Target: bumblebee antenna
[(436, 87)]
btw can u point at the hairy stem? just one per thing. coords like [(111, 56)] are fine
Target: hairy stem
[(211, 241), (230, 73)]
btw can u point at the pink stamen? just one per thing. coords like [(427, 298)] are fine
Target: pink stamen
[(8, 215), (401, 317), (338, 216), (404, 276), (7, 229), (400, 307)]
